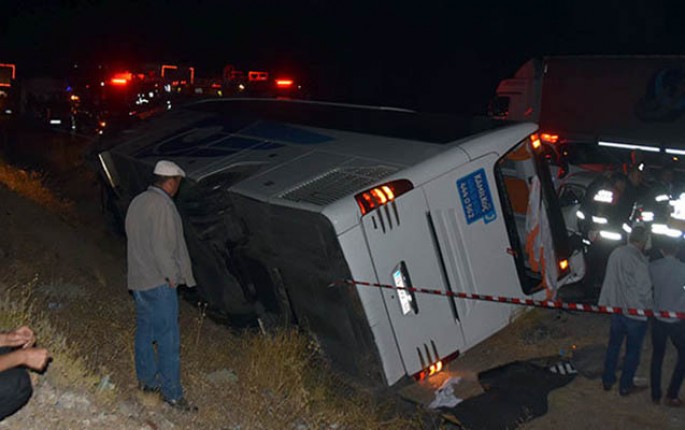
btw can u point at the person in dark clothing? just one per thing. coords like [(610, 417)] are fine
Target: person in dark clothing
[(611, 188), (665, 183), (16, 354), (633, 192), (668, 277)]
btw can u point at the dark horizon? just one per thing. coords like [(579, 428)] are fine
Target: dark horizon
[(433, 55)]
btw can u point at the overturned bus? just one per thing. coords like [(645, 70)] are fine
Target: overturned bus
[(284, 198)]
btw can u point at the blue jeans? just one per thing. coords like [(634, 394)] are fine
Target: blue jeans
[(157, 321), (634, 333), (661, 331)]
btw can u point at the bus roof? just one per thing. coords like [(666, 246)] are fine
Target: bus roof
[(373, 120)]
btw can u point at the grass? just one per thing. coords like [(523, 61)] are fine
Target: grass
[(68, 368), (32, 185), (239, 379), (275, 379)]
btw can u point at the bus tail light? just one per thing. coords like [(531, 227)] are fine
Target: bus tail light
[(434, 367), (535, 141), (382, 194)]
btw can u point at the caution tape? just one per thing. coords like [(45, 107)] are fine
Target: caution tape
[(549, 304)]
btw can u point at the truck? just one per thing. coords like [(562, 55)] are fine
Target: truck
[(287, 204), (598, 116), (594, 110)]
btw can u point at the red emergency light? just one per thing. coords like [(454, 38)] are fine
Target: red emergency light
[(11, 66), (166, 67), (121, 79), (14, 73), (257, 76), (549, 138), (284, 83)]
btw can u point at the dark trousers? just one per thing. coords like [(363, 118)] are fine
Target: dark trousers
[(633, 331), (661, 332), (15, 389)]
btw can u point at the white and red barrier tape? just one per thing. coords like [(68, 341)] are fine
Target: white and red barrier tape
[(550, 304)]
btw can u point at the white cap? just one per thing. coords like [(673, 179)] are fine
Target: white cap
[(168, 168)]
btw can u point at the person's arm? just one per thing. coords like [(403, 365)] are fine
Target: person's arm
[(22, 336), (34, 358), (164, 244)]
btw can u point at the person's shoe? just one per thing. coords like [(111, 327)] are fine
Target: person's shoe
[(656, 401), (607, 387), (148, 389), (181, 405), (632, 390), (674, 403)]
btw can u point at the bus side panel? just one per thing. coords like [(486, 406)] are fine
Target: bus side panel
[(358, 259), (476, 254)]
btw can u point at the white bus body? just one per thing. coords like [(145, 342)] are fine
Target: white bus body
[(273, 216)]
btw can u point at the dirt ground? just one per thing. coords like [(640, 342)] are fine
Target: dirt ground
[(79, 269)]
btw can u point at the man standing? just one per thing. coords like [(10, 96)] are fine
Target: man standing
[(626, 285), (668, 277), (158, 261), (17, 352)]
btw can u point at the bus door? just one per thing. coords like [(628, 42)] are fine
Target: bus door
[(405, 252)]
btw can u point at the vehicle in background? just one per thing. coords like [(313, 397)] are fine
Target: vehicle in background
[(47, 103), (8, 91), (282, 199), (260, 83), (117, 98), (608, 115), (594, 110)]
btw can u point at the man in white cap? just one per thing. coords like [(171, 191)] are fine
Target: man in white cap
[(158, 261)]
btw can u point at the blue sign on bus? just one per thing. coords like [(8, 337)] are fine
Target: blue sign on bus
[(476, 198)]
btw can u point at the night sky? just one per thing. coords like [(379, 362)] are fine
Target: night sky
[(440, 56)]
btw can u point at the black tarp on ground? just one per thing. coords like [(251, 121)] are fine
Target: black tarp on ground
[(514, 393), (589, 361)]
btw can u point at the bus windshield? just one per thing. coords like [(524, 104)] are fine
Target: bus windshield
[(535, 225)]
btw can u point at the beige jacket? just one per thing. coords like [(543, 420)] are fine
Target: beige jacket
[(627, 283), (156, 248)]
